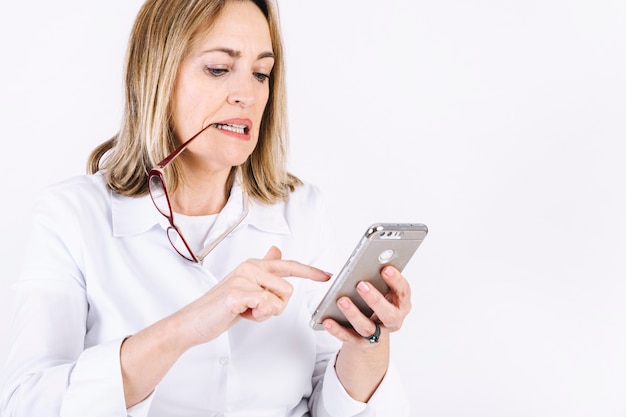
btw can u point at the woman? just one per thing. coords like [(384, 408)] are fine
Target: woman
[(158, 288)]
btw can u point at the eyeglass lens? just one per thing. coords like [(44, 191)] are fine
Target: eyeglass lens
[(178, 242), (159, 195)]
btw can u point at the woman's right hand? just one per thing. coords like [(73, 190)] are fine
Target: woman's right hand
[(255, 290)]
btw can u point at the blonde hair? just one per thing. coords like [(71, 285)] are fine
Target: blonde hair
[(161, 38)]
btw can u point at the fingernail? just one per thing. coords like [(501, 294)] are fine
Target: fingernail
[(388, 272), (363, 287), (344, 303)]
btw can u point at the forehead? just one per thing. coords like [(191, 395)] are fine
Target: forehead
[(240, 25)]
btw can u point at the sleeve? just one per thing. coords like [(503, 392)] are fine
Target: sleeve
[(329, 398), (390, 398), (49, 372)]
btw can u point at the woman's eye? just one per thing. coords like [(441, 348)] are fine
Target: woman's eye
[(215, 72), (261, 77)]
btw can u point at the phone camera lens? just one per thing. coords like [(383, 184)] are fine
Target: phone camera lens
[(385, 256)]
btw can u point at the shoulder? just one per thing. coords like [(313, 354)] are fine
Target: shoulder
[(304, 202), (74, 195), (310, 223), (306, 208), (306, 199), (305, 194), (65, 217), (92, 184)]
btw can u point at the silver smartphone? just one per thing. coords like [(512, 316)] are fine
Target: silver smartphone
[(382, 244)]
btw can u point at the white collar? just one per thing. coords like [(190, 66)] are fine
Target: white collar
[(135, 215)]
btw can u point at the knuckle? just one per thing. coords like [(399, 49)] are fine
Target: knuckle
[(288, 289), (240, 270), (233, 303), (279, 308), (396, 321), (396, 317), (270, 304), (247, 267), (264, 298), (376, 299), (262, 312), (405, 292)]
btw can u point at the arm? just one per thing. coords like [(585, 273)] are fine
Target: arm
[(45, 346), (361, 366), (343, 384), (48, 356), (66, 351), (255, 290)]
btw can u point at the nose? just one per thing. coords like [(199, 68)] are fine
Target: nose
[(242, 92)]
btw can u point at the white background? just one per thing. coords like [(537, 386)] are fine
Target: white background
[(498, 123)]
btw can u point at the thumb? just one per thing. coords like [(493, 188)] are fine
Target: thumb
[(273, 254)]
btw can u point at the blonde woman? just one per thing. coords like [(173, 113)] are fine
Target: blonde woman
[(177, 277)]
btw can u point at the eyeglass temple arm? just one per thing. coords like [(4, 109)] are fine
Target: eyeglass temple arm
[(204, 252), (178, 150)]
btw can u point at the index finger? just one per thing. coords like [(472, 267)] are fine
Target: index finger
[(290, 268)]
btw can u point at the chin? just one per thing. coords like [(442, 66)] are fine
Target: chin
[(235, 163), (238, 160)]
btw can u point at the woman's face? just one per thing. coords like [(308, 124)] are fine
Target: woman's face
[(224, 82)]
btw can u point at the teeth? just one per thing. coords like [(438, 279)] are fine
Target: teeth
[(232, 128)]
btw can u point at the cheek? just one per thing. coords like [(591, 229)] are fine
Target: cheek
[(263, 103), (190, 110), (179, 112)]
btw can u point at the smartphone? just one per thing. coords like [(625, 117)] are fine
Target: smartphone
[(382, 244)]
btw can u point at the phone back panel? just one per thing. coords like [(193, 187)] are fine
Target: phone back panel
[(382, 244)]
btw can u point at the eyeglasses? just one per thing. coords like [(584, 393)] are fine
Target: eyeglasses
[(161, 200)]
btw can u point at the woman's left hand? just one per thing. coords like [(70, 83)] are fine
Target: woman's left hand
[(390, 310), (361, 365)]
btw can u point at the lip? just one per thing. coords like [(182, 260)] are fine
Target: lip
[(236, 121)]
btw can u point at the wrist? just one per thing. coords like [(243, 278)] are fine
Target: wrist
[(361, 367)]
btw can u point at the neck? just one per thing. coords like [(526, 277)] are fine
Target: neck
[(200, 195)]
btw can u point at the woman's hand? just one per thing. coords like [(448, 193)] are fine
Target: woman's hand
[(361, 365), (255, 290)]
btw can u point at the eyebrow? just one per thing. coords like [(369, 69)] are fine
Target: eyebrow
[(236, 54)]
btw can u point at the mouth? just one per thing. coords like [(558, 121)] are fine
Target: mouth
[(232, 127)]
